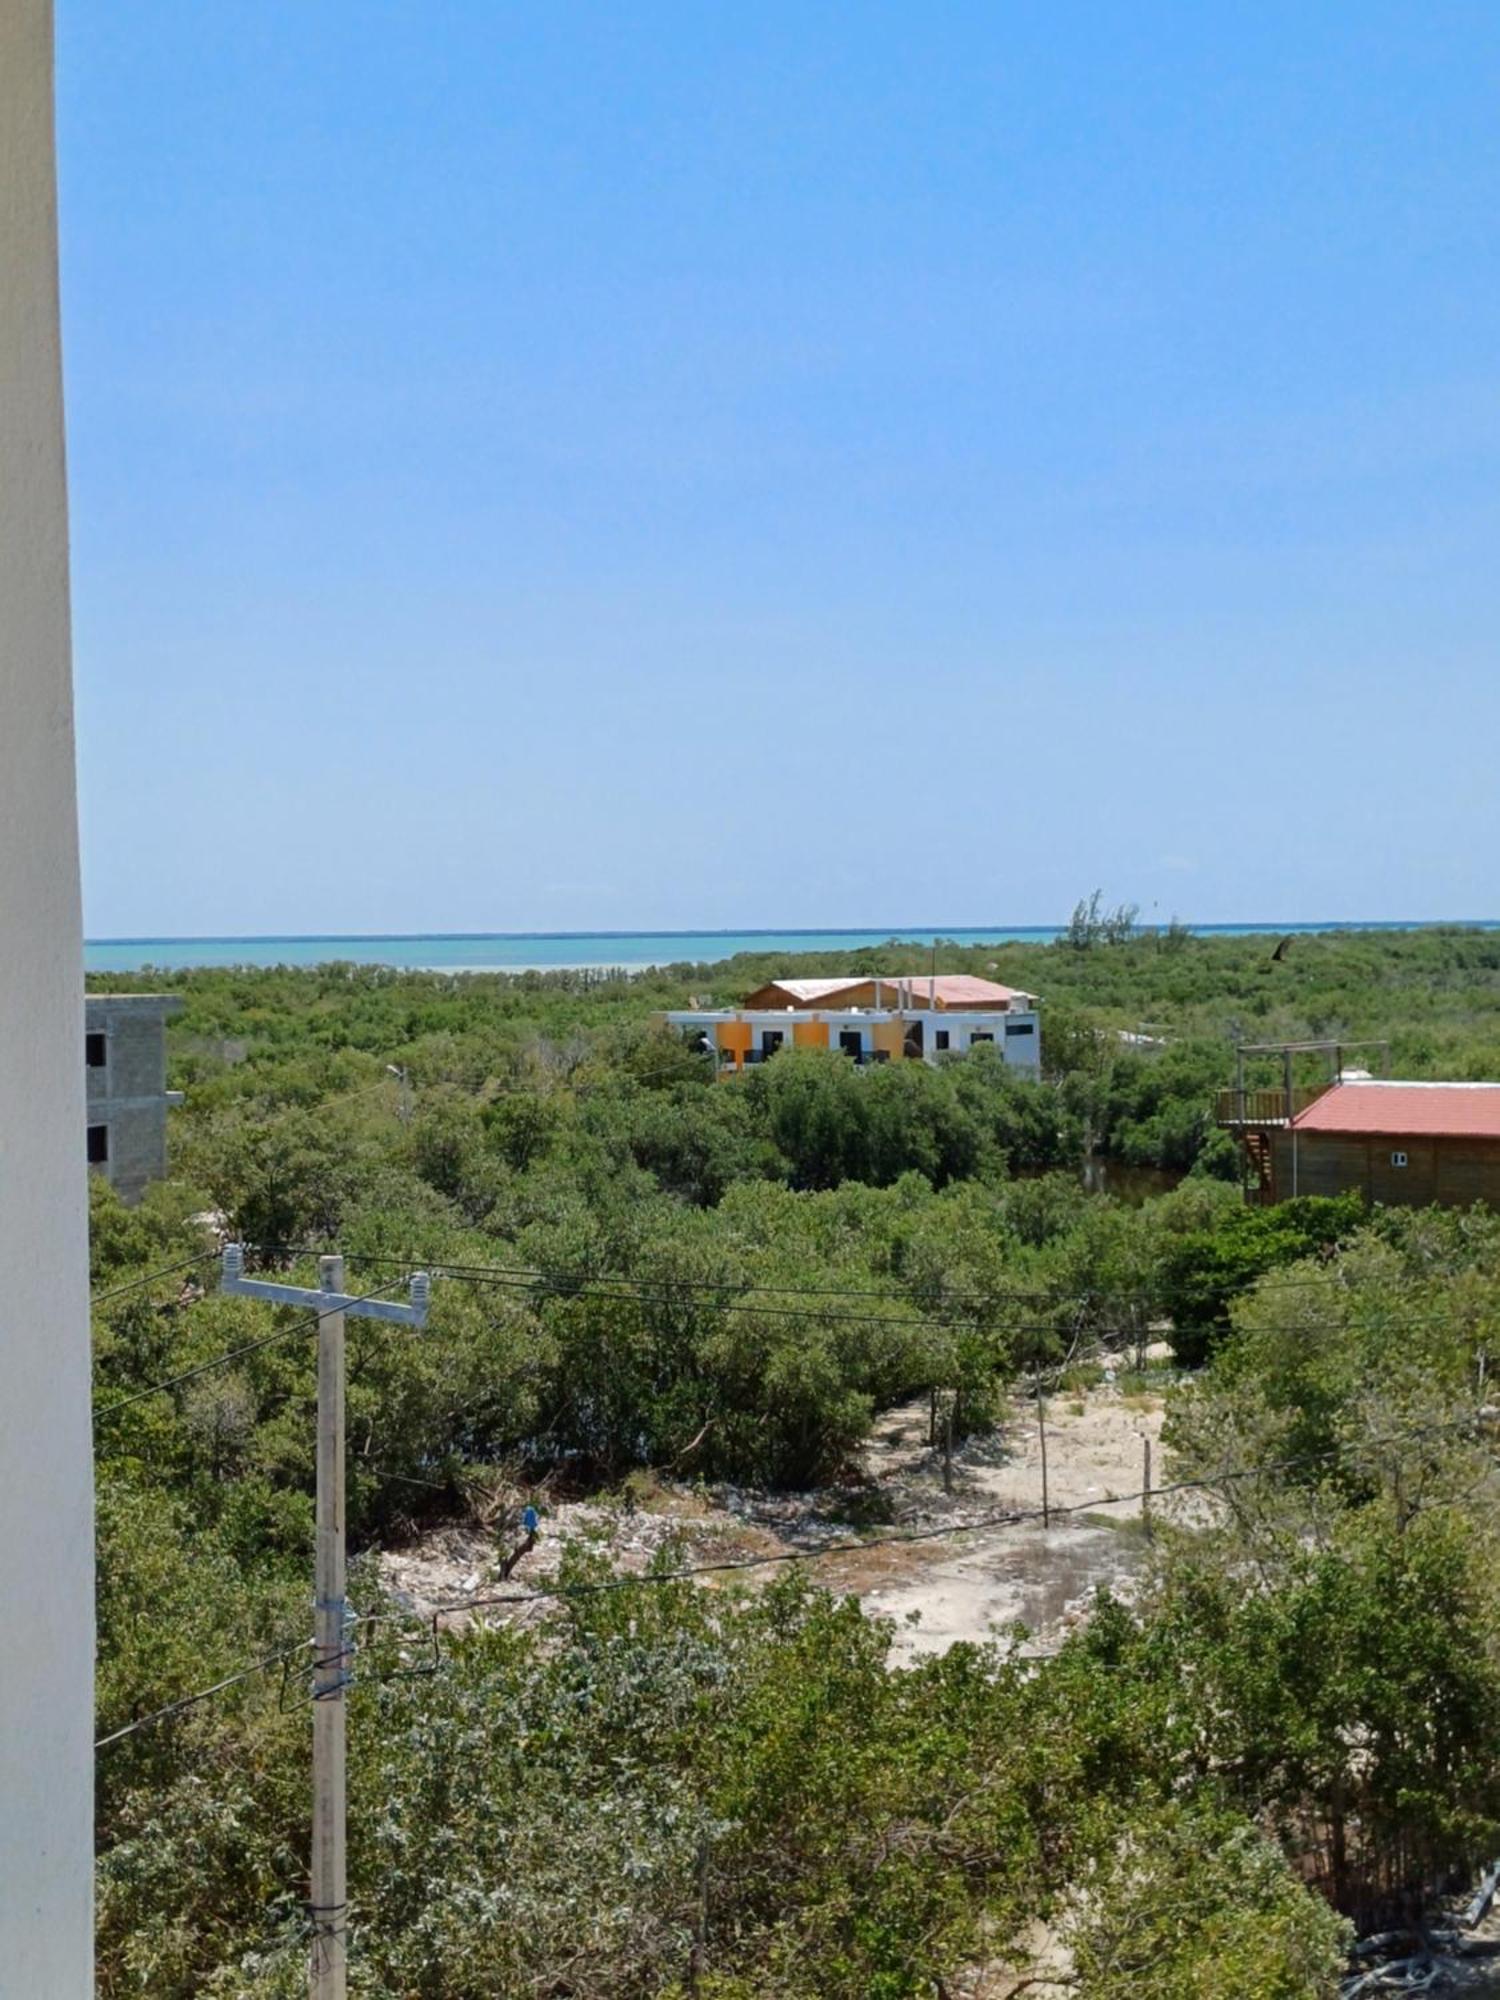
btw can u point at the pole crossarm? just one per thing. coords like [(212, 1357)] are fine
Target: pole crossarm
[(414, 1313)]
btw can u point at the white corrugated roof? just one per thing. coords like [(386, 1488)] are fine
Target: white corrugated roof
[(820, 989)]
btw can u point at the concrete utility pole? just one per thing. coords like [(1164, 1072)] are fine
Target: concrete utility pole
[(403, 1077), (329, 1901)]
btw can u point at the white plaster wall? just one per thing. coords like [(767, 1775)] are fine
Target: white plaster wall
[(46, 1498)]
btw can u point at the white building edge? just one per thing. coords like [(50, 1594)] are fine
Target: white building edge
[(46, 1492)]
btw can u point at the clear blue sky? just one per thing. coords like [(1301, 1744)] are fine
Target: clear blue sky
[(542, 465)]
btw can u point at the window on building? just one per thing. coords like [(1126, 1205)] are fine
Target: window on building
[(1398, 1159), (980, 1035), (940, 1038), (1020, 1027), (94, 1050), (98, 1145), (851, 1041)]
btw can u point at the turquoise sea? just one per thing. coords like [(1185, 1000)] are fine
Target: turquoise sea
[(540, 951)]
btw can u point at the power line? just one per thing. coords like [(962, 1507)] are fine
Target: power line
[(1009, 1518), (204, 1368), (563, 1286), (558, 1280), (1267, 1281), (151, 1277), (570, 1285), (635, 1291), (1008, 1295), (188, 1701), (631, 1292), (621, 1291), (223, 1360)]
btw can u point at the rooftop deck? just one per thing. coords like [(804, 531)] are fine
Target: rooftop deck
[(1237, 1109)]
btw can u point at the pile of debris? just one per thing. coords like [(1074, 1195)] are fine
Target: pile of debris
[(1457, 1956)]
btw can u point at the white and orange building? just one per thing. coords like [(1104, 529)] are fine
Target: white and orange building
[(915, 1017)]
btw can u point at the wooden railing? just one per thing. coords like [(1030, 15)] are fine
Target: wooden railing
[(1265, 1107)]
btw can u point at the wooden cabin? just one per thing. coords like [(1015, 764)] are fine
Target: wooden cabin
[(1407, 1144)]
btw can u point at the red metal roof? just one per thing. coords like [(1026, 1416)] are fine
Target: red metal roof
[(951, 989), (1406, 1110), (960, 989)]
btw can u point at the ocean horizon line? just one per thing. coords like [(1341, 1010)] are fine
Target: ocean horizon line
[(897, 933)]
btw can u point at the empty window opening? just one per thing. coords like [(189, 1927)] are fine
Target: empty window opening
[(98, 1145), (95, 1050)]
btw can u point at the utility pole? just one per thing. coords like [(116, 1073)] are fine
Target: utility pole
[(329, 1898), (332, 1654), (403, 1077)]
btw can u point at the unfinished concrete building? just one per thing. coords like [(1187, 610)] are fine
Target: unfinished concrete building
[(125, 1062)]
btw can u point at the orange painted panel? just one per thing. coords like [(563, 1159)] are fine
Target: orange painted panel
[(810, 1034)]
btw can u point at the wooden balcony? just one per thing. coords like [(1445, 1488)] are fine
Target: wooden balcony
[(1261, 1108)]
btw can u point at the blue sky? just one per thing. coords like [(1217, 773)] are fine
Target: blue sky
[(543, 466)]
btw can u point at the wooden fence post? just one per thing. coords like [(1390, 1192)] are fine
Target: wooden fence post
[(1146, 1485)]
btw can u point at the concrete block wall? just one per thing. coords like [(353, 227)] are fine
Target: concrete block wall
[(127, 1093)]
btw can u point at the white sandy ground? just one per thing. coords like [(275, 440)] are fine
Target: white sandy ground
[(966, 1588), (1041, 1577), (937, 1591)]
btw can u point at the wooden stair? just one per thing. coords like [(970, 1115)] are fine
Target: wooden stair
[(1258, 1159)]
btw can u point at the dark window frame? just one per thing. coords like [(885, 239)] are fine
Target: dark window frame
[(96, 1049), (98, 1146)]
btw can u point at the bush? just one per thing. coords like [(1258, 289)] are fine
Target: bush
[(1206, 1270)]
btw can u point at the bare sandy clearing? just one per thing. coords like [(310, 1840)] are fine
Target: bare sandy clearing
[(938, 1591), (1041, 1577)]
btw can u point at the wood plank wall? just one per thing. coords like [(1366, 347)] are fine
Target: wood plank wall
[(1450, 1171)]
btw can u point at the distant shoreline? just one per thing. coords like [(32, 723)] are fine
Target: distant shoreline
[(630, 951), (902, 933)]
